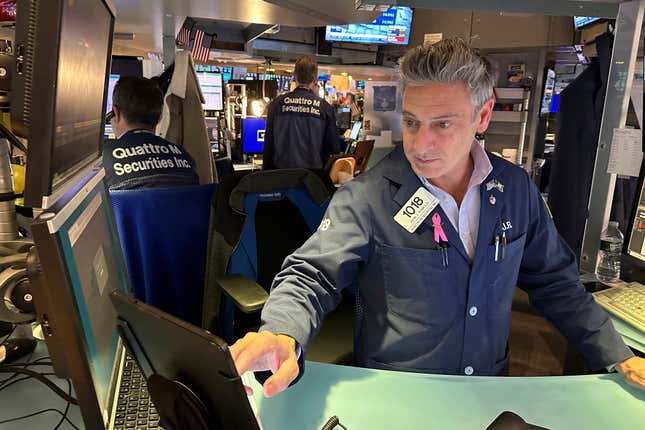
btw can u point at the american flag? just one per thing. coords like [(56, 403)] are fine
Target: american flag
[(201, 46), (183, 37)]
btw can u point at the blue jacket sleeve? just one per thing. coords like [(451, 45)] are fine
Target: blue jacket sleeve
[(549, 274), (312, 278)]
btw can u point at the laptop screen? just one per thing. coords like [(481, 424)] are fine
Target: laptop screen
[(89, 246)]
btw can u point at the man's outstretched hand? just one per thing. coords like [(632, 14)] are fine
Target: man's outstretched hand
[(633, 370), (267, 351)]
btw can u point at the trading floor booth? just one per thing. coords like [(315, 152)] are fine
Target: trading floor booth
[(97, 336)]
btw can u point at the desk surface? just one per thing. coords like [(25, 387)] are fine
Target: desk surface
[(377, 399)]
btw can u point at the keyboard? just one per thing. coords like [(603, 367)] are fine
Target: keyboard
[(134, 410), (626, 302)]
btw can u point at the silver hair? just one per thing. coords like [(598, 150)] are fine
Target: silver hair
[(450, 61)]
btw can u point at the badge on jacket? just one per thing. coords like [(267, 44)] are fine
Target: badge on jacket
[(416, 209), (494, 184)]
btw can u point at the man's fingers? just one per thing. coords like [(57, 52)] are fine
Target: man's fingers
[(286, 373), (635, 380), (249, 390)]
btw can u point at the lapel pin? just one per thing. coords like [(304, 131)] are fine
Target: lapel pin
[(494, 184), (492, 199)]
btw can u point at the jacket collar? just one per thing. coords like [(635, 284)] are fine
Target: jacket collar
[(399, 171)]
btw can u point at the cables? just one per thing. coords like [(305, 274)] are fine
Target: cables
[(21, 368), (55, 388), (64, 417), (39, 413), (332, 423)]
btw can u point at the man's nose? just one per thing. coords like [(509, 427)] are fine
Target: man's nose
[(426, 139)]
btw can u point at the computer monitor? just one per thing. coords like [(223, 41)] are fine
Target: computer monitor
[(59, 90), (356, 128), (81, 262), (547, 96), (636, 245), (343, 118), (211, 86), (253, 130), (111, 84)]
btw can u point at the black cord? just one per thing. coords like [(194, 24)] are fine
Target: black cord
[(332, 423), (9, 335), (24, 378), (12, 138), (55, 388), (38, 413), (64, 417), (26, 364)]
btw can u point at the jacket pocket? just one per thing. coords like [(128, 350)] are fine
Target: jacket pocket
[(505, 273), (417, 285)]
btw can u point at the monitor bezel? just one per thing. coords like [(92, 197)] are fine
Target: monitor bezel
[(40, 114), (55, 303)]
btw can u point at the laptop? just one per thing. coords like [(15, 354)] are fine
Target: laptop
[(80, 263)]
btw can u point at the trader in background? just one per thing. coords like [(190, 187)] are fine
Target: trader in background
[(301, 127), (139, 158)]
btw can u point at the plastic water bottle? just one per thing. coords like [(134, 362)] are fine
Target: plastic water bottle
[(611, 246)]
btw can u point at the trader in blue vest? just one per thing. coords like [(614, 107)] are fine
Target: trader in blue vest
[(436, 237), (139, 158)]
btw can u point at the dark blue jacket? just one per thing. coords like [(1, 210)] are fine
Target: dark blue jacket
[(141, 159), (301, 132), (419, 315)]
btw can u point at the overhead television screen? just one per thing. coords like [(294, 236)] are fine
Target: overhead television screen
[(581, 21), (392, 27)]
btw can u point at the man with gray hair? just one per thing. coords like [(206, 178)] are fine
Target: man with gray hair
[(435, 237)]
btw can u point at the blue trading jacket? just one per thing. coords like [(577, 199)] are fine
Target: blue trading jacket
[(419, 314), (301, 132)]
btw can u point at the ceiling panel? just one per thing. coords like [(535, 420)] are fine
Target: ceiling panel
[(145, 18)]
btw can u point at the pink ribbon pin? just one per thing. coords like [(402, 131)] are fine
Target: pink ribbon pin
[(438, 230)]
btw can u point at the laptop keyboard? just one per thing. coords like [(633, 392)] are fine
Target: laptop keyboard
[(134, 410)]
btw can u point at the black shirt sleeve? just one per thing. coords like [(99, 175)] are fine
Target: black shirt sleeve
[(331, 143)]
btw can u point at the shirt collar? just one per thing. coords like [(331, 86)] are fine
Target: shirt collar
[(481, 169)]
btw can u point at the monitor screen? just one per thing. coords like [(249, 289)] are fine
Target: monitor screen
[(581, 21), (82, 263), (211, 86), (392, 27), (356, 128), (80, 84), (549, 85), (636, 246), (59, 103), (253, 130), (111, 83)]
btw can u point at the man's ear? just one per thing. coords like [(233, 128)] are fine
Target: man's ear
[(117, 114), (484, 115)]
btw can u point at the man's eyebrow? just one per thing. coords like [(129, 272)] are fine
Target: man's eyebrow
[(434, 118)]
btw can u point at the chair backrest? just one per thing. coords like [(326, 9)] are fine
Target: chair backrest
[(362, 155), (258, 219), (163, 234)]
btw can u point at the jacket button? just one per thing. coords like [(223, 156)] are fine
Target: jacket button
[(473, 311), (469, 370)]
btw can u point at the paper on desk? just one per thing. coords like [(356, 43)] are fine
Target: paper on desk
[(254, 406), (626, 152)]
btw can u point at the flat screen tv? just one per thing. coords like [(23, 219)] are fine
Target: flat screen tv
[(392, 27), (581, 21)]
